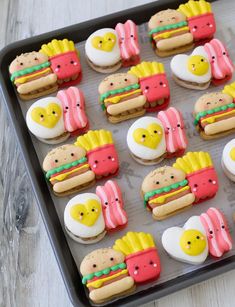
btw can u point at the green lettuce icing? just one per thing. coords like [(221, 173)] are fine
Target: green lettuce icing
[(119, 91), (103, 272), (29, 70), (212, 111), (168, 27), (65, 166), (165, 189)]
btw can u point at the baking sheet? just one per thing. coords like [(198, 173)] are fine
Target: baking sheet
[(131, 173)]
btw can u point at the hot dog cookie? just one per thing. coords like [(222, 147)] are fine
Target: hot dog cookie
[(67, 170), (200, 20), (32, 75), (228, 160), (105, 275), (200, 236), (214, 115), (128, 43), (121, 97), (83, 219), (154, 85), (64, 60), (169, 33), (112, 205), (101, 153), (142, 259)]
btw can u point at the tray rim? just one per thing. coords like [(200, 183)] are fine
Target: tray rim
[(44, 201)]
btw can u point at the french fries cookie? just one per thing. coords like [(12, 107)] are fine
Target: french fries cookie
[(166, 192), (228, 160), (200, 173), (169, 33), (128, 43), (67, 169), (214, 115), (83, 219), (32, 75), (121, 97), (141, 256), (200, 18), (105, 275), (101, 152), (154, 85), (65, 62), (200, 236)]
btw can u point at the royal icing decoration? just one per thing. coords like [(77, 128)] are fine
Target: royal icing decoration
[(143, 262), (87, 213), (228, 160), (48, 116), (105, 42)]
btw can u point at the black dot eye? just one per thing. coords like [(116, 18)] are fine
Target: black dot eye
[(146, 87), (160, 21), (35, 59), (78, 105), (151, 262), (168, 128), (208, 103), (211, 232), (126, 79), (21, 64), (109, 39), (101, 42), (202, 60), (157, 182), (66, 108), (155, 131), (94, 265), (109, 157), (172, 17), (111, 259), (143, 136), (213, 57), (198, 237), (224, 53), (96, 161), (81, 213), (116, 199), (56, 161), (208, 24), (111, 83), (72, 154), (53, 112), (195, 27), (58, 66), (178, 125), (189, 242), (41, 116), (136, 267), (93, 210), (195, 185), (72, 62), (172, 177), (106, 203), (210, 180), (223, 227), (161, 83), (220, 99), (132, 35)]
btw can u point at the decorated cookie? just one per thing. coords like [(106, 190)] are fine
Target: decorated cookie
[(217, 232), (112, 205), (221, 65), (44, 119), (101, 153), (188, 243), (200, 173), (143, 262), (73, 104), (200, 20), (121, 97), (32, 75), (128, 43), (176, 140), (154, 85), (166, 192), (102, 51), (228, 160), (105, 275), (169, 33), (214, 115), (146, 140), (230, 90), (65, 62), (67, 169), (83, 219), (192, 71)]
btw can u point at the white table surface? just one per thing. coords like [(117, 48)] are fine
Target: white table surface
[(29, 275)]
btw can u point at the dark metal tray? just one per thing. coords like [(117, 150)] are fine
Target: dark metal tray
[(67, 265)]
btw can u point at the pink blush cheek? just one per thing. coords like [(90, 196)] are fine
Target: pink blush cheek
[(52, 164)]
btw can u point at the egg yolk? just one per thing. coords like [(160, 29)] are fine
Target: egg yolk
[(198, 65), (192, 242), (232, 153)]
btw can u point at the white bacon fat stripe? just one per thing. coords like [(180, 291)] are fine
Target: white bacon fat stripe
[(174, 128), (73, 105), (128, 39), (112, 204)]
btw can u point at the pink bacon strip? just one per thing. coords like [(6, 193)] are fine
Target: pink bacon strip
[(128, 39), (174, 129), (221, 64), (73, 105), (112, 205)]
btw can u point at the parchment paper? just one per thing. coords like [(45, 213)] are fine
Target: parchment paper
[(131, 173)]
